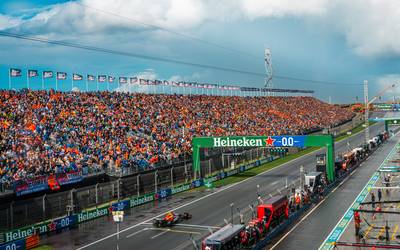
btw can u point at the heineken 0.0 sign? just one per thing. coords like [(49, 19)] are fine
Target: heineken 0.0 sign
[(266, 141), (271, 141)]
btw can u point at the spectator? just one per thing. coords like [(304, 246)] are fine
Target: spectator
[(47, 132)]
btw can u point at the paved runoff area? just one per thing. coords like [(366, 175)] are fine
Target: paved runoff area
[(380, 230), (209, 209)]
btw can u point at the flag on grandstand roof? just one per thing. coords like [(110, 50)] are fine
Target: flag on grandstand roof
[(142, 81), (32, 73), (174, 83), (111, 79), (47, 74), (123, 80), (158, 82), (61, 75), (134, 80), (166, 82), (102, 78), (77, 77), (15, 72), (91, 78)]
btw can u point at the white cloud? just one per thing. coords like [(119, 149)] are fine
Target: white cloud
[(371, 27), (279, 8), (149, 74), (178, 78), (7, 22), (387, 81)]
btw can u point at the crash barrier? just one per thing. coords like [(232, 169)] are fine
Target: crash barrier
[(95, 190), (23, 244), (70, 221), (277, 230)]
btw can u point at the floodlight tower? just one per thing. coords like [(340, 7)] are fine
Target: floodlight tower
[(368, 103), (268, 70)]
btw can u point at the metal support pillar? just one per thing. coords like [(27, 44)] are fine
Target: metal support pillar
[(366, 113)]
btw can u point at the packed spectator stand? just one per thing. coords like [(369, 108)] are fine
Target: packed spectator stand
[(48, 132)]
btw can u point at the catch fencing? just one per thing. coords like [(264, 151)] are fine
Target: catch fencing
[(20, 213)]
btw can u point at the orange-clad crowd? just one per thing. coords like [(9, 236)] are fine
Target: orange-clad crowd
[(44, 132)]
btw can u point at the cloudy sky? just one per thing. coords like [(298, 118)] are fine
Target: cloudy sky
[(338, 42)]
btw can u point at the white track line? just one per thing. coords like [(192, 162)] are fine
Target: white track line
[(308, 214), (141, 230), (190, 225), (340, 220), (312, 210), (197, 226), (208, 195), (164, 232)]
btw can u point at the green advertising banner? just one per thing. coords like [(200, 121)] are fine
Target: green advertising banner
[(266, 141), (136, 201), (180, 188), (92, 214), (40, 228)]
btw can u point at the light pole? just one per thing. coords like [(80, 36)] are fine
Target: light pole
[(118, 217), (232, 213), (301, 177)]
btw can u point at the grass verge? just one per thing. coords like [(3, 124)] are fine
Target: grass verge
[(276, 163)]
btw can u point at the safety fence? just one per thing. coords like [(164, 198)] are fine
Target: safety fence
[(73, 218), (19, 213)]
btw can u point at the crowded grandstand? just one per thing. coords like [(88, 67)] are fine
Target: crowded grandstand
[(46, 132)]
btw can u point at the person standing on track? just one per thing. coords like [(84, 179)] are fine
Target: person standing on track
[(357, 223), (373, 199), (379, 194)]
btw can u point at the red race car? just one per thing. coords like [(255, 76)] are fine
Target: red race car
[(171, 219)]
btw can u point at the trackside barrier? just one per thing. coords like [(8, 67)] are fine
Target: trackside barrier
[(22, 244), (15, 245), (293, 217), (66, 222), (32, 241), (277, 230)]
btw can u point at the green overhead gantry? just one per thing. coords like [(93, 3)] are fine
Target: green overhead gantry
[(267, 141)]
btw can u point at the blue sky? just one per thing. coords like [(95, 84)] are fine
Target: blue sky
[(336, 41)]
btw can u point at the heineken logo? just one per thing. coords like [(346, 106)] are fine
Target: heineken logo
[(20, 233), (92, 214), (141, 200), (237, 142), (180, 189)]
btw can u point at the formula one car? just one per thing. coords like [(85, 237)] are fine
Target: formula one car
[(171, 219)]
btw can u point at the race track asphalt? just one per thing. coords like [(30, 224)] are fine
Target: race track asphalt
[(208, 209), (310, 232)]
